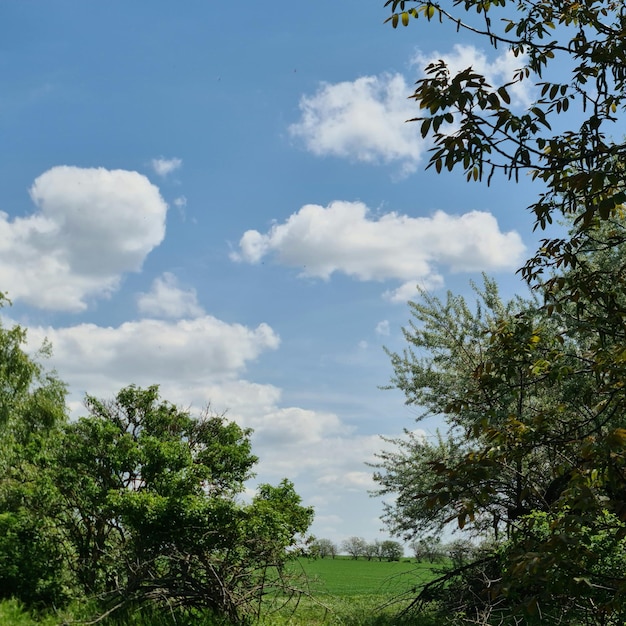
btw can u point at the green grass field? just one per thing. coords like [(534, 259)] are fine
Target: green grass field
[(349, 577), (340, 592), (348, 592)]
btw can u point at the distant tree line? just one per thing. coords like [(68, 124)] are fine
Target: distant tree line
[(427, 548), (387, 550), (357, 547)]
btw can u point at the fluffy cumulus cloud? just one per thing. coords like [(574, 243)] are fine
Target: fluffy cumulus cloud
[(364, 119), (90, 226), (163, 167), (167, 299), (344, 237), (185, 353)]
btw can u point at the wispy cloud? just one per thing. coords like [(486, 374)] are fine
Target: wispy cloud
[(163, 166), (382, 328), (167, 299)]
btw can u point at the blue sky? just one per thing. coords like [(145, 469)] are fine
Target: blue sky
[(226, 201)]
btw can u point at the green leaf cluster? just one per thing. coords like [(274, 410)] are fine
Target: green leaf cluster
[(534, 403), (574, 53), (532, 392), (138, 504)]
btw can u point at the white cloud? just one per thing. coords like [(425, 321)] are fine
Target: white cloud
[(354, 480), (343, 237), (163, 167), (202, 361), (382, 328), (362, 120), (91, 226), (185, 354), (296, 426), (497, 71), (408, 290), (167, 299)]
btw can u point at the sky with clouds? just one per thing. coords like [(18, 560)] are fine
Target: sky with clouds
[(230, 204)]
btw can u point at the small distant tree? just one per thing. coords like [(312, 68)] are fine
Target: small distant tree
[(355, 547), (391, 550), (427, 548), (323, 547), (372, 550), (460, 552)]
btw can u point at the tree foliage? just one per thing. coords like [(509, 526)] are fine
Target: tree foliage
[(428, 548), (322, 548), (534, 399), (391, 550), (32, 414), (355, 547), (453, 368), (534, 451), (151, 507), (573, 52), (143, 503)]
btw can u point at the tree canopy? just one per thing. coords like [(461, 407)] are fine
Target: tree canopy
[(136, 504), (532, 391), (532, 455), (574, 53)]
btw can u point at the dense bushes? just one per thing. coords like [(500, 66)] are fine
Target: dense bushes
[(135, 505)]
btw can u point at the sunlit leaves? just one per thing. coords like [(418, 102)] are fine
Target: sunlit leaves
[(427, 10), (143, 500)]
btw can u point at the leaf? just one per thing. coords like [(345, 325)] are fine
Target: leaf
[(504, 95)]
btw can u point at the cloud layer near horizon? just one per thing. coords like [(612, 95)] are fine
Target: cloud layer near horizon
[(200, 362)]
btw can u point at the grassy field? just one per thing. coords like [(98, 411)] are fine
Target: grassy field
[(340, 592), (348, 592), (349, 577)]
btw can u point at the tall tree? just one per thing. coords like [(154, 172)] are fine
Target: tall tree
[(32, 414), (355, 546), (144, 502), (448, 370), (563, 362), (152, 509), (533, 450)]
